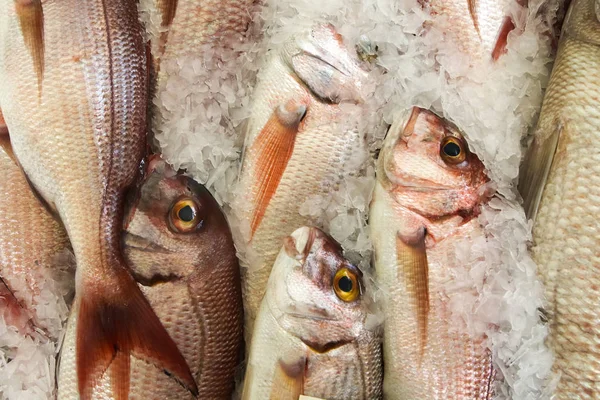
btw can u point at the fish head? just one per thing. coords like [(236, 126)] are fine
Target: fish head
[(319, 295), (323, 63), (428, 168), (172, 225)]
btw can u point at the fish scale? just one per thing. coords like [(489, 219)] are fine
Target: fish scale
[(565, 203)]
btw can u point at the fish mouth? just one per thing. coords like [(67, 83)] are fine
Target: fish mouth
[(140, 243), (311, 316)]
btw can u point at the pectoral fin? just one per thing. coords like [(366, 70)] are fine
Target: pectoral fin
[(31, 20), (500, 47), (115, 320), (3, 127), (288, 380), (412, 264), (535, 170), (273, 148)]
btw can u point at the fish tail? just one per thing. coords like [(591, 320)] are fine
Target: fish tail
[(115, 321)]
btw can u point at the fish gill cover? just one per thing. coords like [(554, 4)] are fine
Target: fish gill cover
[(414, 63)]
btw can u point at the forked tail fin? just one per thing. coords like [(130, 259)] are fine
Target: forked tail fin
[(115, 320)]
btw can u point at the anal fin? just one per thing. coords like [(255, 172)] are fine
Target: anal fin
[(535, 170), (115, 320), (412, 264), (273, 148)]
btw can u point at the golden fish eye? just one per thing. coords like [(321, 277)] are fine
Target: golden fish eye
[(453, 150), (345, 285), (184, 216)]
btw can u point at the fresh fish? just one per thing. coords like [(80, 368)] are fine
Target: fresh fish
[(428, 191), (310, 336), (30, 245), (561, 192), (178, 244), (297, 144), (479, 27), (76, 113)]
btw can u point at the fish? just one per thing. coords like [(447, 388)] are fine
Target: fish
[(31, 243), (296, 145), (559, 185), (311, 336), (480, 28), (429, 190), (80, 142), (178, 243)]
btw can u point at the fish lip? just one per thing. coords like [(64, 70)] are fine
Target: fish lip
[(140, 243)]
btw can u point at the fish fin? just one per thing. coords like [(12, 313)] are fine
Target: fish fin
[(31, 20), (3, 127), (109, 330), (167, 8), (473, 11), (274, 146), (288, 381), (412, 262), (535, 170), (500, 47)]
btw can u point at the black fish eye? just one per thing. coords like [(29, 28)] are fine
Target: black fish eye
[(345, 284), (186, 214), (451, 149)]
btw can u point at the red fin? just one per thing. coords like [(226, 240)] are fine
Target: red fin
[(412, 261), (167, 8), (113, 323), (274, 147), (500, 47), (288, 381), (3, 127), (473, 11), (31, 20), (12, 311)]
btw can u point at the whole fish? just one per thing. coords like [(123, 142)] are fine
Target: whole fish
[(428, 190), (561, 192), (479, 27), (178, 244), (79, 71), (30, 245), (296, 146), (311, 336)]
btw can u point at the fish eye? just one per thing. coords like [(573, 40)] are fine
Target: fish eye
[(184, 216), (345, 285), (453, 150)]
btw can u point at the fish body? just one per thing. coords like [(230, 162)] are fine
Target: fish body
[(79, 71), (423, 204), (559, 185), (30, 246), (479, 27), (297, 144), (180, 28), (188, 271), (310, 335)]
